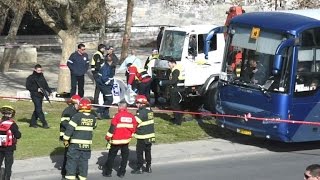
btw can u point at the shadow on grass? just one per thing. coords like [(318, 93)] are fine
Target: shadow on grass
[(275, 146), (117, 161), (164, 116), (25, 120), (57, 156)]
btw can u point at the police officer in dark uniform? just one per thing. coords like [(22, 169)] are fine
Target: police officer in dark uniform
[(96, 63), (35, 84), (145, 134), (78, 137), (66, 115), (9, 132), (78, 63), (105, 82), (176, 87)]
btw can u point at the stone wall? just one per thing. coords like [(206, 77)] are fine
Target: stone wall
[(173, 12)]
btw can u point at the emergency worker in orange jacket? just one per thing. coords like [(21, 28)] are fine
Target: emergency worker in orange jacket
[(9, 133), (144, 80), (122, 127)]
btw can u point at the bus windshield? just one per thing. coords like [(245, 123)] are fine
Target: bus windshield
[(249, 59), (172, 45)]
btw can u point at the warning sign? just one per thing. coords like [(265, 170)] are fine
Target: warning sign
[(255, 33)]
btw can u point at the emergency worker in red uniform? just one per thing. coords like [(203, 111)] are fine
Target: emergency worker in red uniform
[(66, 115), (144, 80), (145, 134), (9, 133), (122, 127)]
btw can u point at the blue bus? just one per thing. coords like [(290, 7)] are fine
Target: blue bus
[(271, 69)]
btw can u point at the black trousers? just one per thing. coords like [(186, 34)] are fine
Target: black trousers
[(144, 89), (107, 100), (8, 161), (64, 163), (77, 80), (77, 160), (37, 113), (154, 88), (143, 146), (175, 99), (96, 95), (112, 155)]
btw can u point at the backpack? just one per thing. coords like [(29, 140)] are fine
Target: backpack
[(6, 136)]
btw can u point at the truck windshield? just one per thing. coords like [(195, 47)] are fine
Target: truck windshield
[(172, 45), (249, 60)]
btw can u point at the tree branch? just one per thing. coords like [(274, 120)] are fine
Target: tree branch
[(47, 19)]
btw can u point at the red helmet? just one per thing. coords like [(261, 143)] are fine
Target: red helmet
[(85, 105), (75, 99), (141, 99)]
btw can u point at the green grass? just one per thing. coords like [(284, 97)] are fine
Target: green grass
[(37, 142)]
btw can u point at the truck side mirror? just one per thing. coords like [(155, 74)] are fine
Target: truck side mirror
[(277, 64), (214, 31)]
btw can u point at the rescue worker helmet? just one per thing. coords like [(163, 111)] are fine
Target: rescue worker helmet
[(85, 105), (142, 99), (8, 110), (75, 99)]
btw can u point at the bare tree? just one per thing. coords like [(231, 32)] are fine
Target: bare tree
[(3, 16), (127, 30), (66, 18), (306, 4), (18, 8)]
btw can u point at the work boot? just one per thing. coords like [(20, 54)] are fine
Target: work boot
[(121, 174), (45, 126), (148, 169), (137, 171)]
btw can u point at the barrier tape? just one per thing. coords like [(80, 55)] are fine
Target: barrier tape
[(245, 117), (63, 66)]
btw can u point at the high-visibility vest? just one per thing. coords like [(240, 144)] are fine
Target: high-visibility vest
[(181, 77), (94, 63), (145, 121)]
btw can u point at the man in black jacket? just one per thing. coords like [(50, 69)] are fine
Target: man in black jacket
[(9, 133), (37, 85), (96, 63), (78, 64), (176, 87)]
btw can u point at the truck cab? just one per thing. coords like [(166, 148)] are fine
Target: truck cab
[(186, 45)]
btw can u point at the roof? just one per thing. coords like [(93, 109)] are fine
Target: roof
[(287, 21)]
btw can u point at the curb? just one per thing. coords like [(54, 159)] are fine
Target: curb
[(162, 154)]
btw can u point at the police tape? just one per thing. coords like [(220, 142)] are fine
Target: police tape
[(245, 117)]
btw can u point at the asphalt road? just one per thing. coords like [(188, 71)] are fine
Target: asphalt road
[(266, 165)]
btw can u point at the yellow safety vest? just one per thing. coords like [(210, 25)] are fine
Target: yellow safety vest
[(181, 77), (93, 62)]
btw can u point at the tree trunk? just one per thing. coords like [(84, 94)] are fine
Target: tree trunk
[(102, 30), (9, 52), (69, 42), (3, 18), (127, 31)]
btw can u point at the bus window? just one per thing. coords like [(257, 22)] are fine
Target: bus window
[(308, 66)]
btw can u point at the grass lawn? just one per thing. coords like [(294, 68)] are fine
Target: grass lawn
[(37, 142)]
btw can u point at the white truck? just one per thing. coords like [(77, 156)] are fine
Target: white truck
[(186, 45)]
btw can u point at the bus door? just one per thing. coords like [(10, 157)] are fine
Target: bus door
[(306, 95)]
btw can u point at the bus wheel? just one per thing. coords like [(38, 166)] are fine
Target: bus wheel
[(211, 98)]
